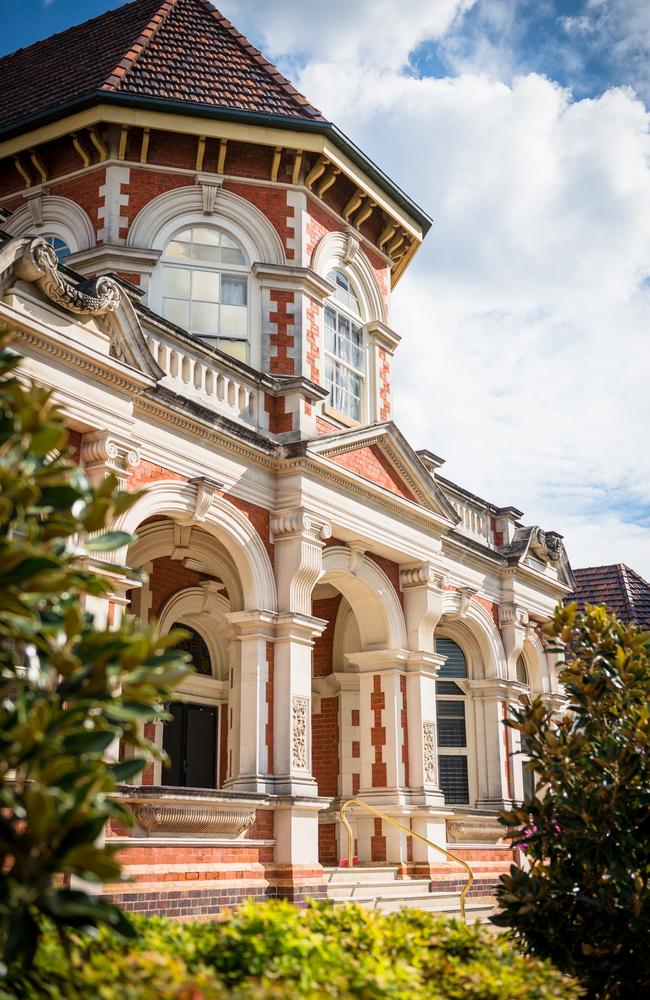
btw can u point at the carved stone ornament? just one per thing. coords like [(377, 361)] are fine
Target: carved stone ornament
[(430, 752), (103, 452), (206, 490), (90, 297), (216, 819), (547, 545), (298, 522), (512, 614), (300, 715), (475, 829), (424, 574)]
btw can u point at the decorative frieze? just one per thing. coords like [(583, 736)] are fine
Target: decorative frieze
[(430, 752), (475, 829), (299, 732), (207, 817)]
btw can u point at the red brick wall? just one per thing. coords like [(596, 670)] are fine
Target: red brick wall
[(328, 609), (325, 746), (148, 472), (325, 426), (259, 518), (312, 335), (378, 843), (384, 385), (167, 578), (490, 606), (280, 422), (391, 569), (372, 464), (327, 847)]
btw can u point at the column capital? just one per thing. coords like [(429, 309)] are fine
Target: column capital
[(377, 661), (299, 627), (423, 586), (299, 523), (104, 452), (251, 624)]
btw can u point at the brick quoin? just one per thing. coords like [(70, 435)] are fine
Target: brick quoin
[(384, 385), (405, 731), (282, 342), (84, 190), (372, 464), (312, 335), (280, 422), (270, 660), (378, 733)]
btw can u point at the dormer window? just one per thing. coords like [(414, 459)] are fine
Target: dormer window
[(205, 288), (344, 348)]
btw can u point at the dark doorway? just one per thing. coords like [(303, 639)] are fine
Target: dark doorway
[(190, 741)]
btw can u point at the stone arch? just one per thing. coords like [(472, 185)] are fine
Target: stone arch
[(477, 626), (332, 251), (370, 594), (156, 222), (178, 501), (536, 664), (60, 216), (188, 607)]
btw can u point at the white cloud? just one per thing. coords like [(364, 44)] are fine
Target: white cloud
[(525, 318), (367, 32)]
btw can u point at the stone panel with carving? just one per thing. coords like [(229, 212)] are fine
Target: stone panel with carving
[(300, 717), (430, 752)]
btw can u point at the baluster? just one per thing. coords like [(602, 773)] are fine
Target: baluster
[(173, 363)]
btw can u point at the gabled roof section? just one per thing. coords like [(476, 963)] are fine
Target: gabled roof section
[(618, 587), (175, 50), (382, 455)]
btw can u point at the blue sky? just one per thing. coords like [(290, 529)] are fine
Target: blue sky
[(522, 127)]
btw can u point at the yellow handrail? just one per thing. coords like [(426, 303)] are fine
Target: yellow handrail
[(411, 833)]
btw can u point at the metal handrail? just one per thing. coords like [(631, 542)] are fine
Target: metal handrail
[(411, 833)]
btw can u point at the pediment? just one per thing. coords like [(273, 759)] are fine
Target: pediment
[(383, 457)]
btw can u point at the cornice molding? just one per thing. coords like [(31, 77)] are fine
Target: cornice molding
[(302, 279)]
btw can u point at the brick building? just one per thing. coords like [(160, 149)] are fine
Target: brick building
[(201, 266)]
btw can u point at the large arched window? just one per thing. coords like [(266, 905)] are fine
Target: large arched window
[(345, 364), (205, 288), (59, 245), (451, 705)]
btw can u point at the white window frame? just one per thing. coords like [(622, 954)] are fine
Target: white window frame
[(467, 751), (192, 220), (343, 309)]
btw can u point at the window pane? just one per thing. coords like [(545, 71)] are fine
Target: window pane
[(451, 733), (177, 312), (448, 687), (206, 237), (178, 249), (522, 672), (177, 282), (235, 348), (232, 255), (234, 290), (451, 709), (456, 665), (205, 317), (206, 252), (453, 779), (234, 321), (205, 285)]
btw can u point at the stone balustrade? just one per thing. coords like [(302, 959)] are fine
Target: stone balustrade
[(189, 812)]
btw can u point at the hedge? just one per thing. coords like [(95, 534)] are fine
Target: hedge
[(274, 950)]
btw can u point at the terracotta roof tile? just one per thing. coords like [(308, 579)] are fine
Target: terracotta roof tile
[(181, 50), (618, 587)]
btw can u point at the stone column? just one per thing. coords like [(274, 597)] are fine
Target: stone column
[(298, 537), (493, 747), (248, 751)]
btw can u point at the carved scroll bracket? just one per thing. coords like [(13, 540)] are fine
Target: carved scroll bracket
[(90, 297)]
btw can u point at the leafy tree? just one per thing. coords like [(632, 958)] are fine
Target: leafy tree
[(68, 690), (585, 902)]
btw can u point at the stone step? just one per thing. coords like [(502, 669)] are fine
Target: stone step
[(358, 874), (395, 887), (479, 908)]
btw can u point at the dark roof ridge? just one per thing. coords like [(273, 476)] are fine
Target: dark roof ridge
[(137, 47)]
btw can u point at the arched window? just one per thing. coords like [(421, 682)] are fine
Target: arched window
[(59, 245), (205, 288), (345, 364), (451, 705), (197, 648), (528, 776)]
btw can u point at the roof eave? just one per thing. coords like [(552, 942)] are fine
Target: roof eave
[(150, 103)]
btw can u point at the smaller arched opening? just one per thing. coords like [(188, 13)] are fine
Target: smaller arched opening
[(453, 711)]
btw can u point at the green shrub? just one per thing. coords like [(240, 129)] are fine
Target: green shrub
[(68, 691), (585, 903), (273, 950)]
